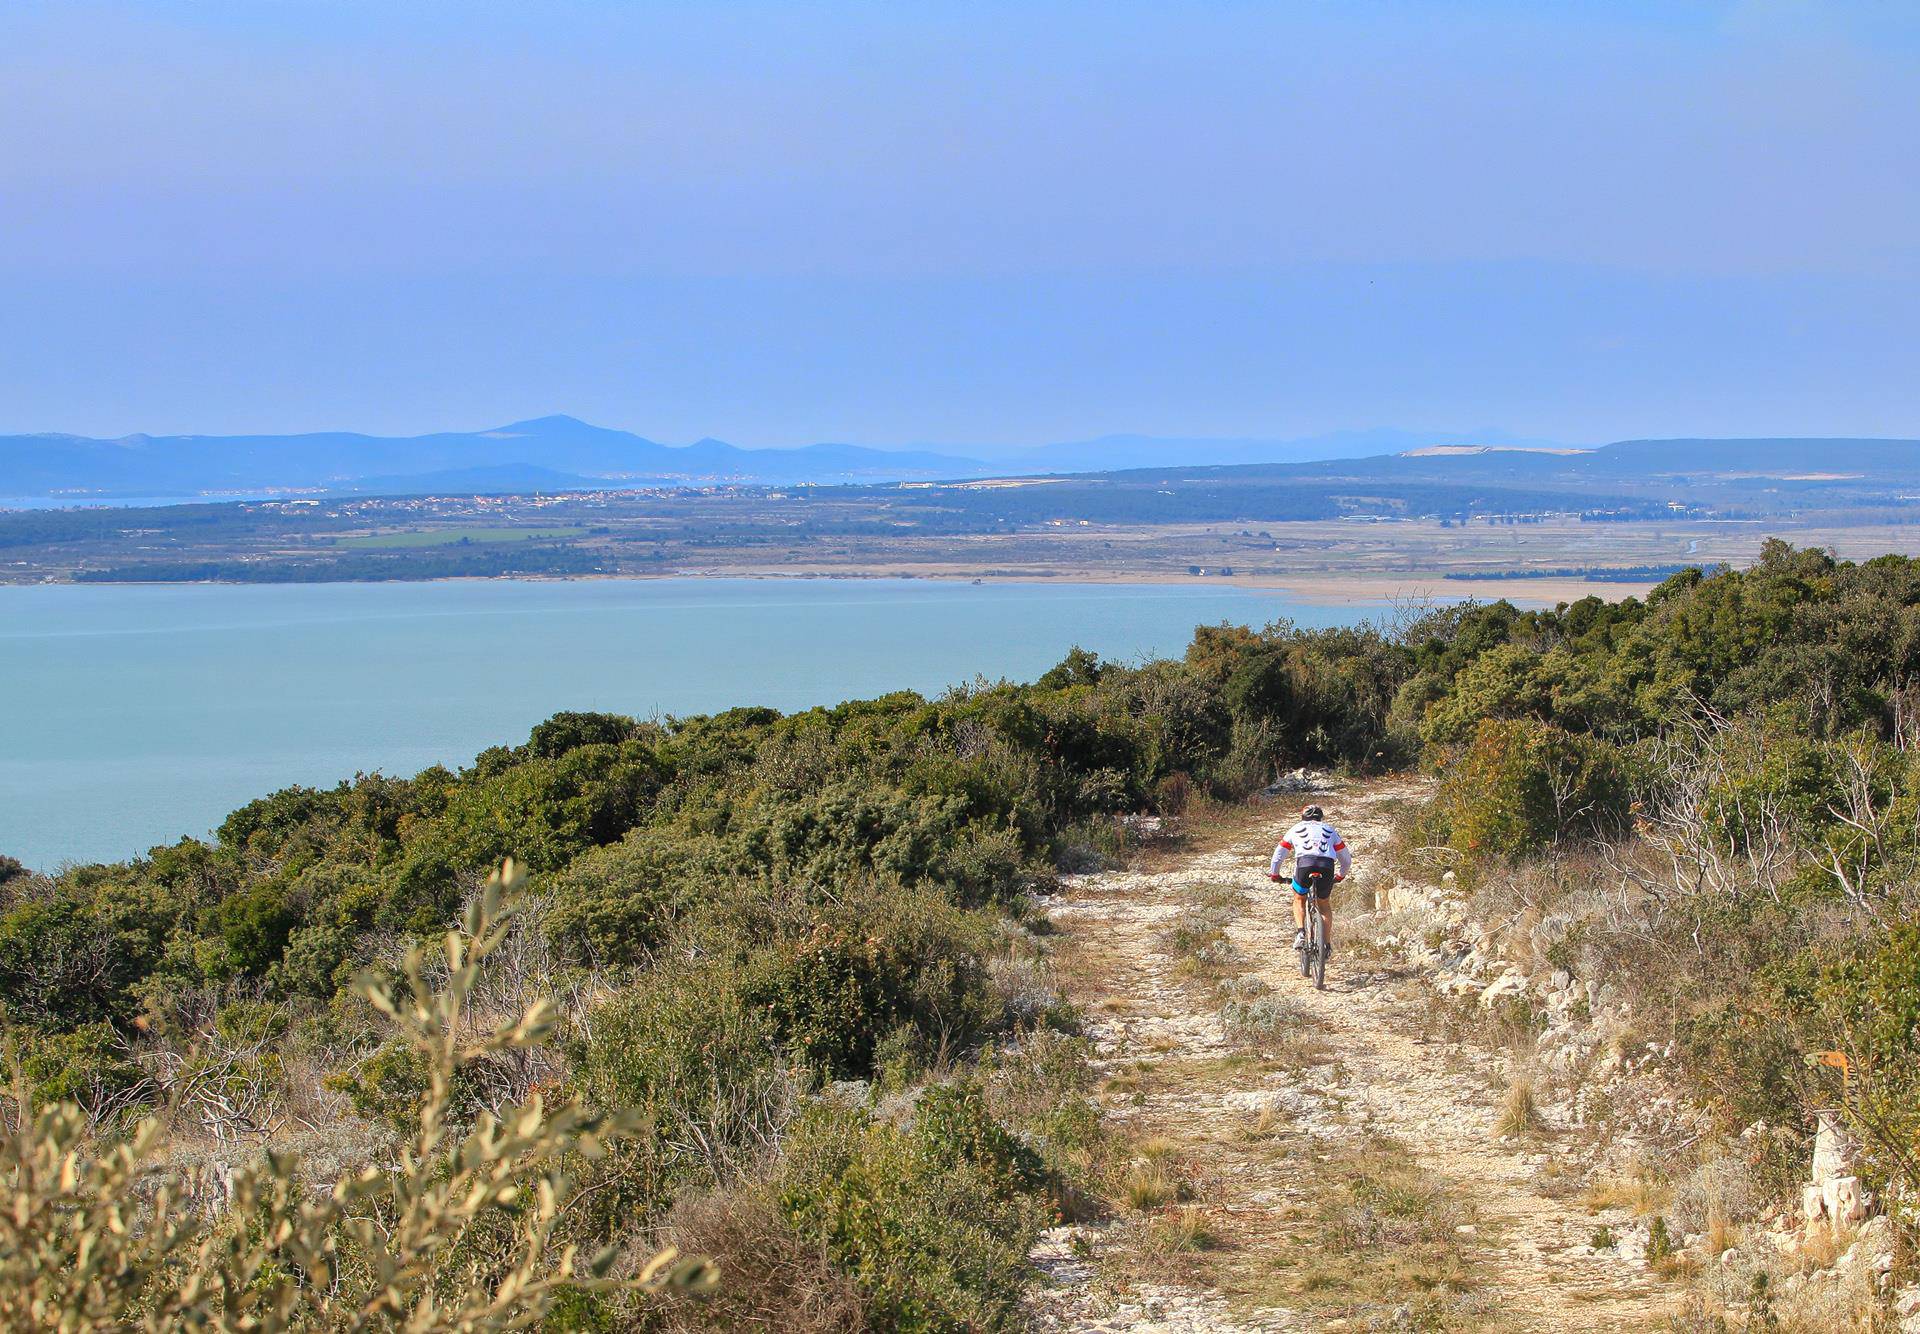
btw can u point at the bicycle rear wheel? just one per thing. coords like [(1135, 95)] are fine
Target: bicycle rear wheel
[(1319, 950)]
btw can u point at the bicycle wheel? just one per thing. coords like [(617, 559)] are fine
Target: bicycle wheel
[(1319, 951)]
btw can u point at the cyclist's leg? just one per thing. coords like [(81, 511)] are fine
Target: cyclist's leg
[(1323, 900)]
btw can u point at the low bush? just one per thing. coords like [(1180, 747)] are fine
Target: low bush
[(616, 905), (90, 1067), (1392, 1205), (386, 1087), (1519, 785), (776, 1279), (455, 1237), (699, 1069), (870, 965), (933, 1222), (1041, 1083)]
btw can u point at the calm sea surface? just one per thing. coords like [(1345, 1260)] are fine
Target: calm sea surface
[(132, 716)]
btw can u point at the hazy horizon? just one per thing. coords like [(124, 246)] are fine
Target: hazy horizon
[(1358, 434), (990, 223)]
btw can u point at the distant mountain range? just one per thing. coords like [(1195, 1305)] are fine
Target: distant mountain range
[(563, 453), (559, 452), (1861, 479), (1810, 459), (1110, 453)]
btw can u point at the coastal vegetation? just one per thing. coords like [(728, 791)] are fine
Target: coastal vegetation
[(451, 558), (799, 963)]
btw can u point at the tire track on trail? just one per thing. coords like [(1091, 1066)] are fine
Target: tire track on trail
[(1343, 1173)]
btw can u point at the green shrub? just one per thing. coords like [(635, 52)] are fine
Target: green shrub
[(318, 960), (932, 1222), (1768, 774), (567, 731), (869, 966), (65, 962), (615, 905), (699, 1071), (674, 1043), (953, 1128), (1519, 785), (255, 926), (89, 1066), (1502, 684), (387, 1087), (1872, 1003)]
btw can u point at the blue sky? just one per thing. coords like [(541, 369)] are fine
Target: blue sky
[(969, 223)]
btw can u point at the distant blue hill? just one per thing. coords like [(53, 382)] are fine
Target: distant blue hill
[(1110, 453), (582, 454), (560, 452), (563, 453)]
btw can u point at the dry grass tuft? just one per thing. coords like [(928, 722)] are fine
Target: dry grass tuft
[(1156, 1149), (1268, 1124), (1820, 1248), (1519, 1112), (1636, 1194), (1722, 1234), (1148, 1186), (1183, 1233)]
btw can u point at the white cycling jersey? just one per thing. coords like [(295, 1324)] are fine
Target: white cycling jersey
[(1312, 838)]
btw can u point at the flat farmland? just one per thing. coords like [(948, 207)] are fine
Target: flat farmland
[(960, 533), (440, 537)]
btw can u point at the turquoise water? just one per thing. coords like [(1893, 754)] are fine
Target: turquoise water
[(132, 716)]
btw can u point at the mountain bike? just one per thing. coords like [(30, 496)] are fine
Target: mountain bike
[(1313, 946)]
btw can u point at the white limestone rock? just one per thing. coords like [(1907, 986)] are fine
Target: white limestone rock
[(1844, 1198)]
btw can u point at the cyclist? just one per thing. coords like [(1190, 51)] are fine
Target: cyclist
[(1320, 861)]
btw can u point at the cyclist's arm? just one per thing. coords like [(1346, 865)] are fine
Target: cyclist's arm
[(1281, 852), (1343, 857)]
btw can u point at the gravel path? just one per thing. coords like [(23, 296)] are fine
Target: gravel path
[(1361, 1073)]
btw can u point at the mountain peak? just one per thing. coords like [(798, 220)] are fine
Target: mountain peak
[(557, 423)]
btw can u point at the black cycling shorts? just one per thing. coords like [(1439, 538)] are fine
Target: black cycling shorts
[(1313, 875)]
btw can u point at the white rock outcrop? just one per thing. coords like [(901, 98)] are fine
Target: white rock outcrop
[(1835, 1193)]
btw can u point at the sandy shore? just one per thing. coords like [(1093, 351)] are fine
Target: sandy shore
[(1322, 589), (1433, 588)]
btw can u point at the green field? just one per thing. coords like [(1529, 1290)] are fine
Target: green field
[(442, 537)]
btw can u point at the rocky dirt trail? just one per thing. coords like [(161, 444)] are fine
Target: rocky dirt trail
[(1306, 1160)]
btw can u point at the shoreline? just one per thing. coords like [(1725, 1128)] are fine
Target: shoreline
[(1384, 590), (1320, 589)]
